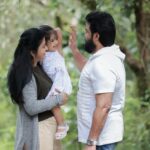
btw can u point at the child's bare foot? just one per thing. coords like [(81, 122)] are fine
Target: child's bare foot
[(61, 131)]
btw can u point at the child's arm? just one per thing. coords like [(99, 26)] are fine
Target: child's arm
[(59, 34)]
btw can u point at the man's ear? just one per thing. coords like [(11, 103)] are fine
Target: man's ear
[(96, 37)]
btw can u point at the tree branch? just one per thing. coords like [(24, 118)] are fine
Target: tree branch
[(134, 64), (41, 3), (90, 4)]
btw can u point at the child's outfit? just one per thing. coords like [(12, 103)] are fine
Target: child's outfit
[(54, 65)]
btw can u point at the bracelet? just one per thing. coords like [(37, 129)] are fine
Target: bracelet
[(91, 142)]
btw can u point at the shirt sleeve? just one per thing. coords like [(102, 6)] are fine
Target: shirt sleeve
[(34, 106), (103, 79)]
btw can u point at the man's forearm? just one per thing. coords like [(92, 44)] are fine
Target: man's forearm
[(99, 118), (80, 60)]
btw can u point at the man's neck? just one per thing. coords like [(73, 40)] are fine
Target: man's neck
[(98, 48)]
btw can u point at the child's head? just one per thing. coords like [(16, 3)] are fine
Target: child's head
[(51, 37)]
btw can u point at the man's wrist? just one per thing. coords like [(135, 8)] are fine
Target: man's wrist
[(75, 51), (91, 142)]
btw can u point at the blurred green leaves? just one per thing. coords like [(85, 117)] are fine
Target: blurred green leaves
[(17, 15)]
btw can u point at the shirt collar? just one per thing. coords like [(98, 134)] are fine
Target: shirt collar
[(104, 50)]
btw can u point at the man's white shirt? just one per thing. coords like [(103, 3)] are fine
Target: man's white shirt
[(103, 73)]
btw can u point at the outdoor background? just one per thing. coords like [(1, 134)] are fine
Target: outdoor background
[(133, 35)]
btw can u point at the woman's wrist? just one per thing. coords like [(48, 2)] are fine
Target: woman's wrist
[(59, 99)]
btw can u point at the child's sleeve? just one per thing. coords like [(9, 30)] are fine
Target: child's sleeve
[(58, 82)]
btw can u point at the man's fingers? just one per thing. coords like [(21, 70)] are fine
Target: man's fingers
[(73, 36), (73, 28), (57, 29), (73, 31)]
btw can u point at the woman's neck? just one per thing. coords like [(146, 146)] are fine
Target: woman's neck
[(34, 63)]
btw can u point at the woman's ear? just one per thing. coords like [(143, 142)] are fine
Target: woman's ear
[(32, 54), (33, 58)]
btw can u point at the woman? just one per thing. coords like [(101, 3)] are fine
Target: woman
[(28, 86)]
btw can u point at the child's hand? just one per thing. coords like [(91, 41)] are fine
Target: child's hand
[(59, 34)]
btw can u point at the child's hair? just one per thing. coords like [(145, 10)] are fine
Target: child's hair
[(48, 31)]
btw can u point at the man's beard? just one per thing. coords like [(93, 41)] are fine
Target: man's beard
[(89, 46)]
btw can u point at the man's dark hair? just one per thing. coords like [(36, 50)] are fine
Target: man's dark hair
[(104, 24)]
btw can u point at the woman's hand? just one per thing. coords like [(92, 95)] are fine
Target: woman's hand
[(65, 98)]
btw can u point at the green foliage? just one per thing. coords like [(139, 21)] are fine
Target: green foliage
[(137, 127), (146, 98), (7, 115), (137, 122), (17, 15)]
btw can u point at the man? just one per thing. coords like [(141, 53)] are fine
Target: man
[(101, 95)]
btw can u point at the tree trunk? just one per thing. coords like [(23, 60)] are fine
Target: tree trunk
[(142, 23), (141, 67)]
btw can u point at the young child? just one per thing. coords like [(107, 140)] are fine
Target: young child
[(54, 65)]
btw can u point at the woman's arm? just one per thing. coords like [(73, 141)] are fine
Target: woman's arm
[(34, 106)]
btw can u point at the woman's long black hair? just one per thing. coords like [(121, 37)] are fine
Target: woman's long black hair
[(20, 72)]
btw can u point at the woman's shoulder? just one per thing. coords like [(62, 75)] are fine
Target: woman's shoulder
[(31, 83)]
